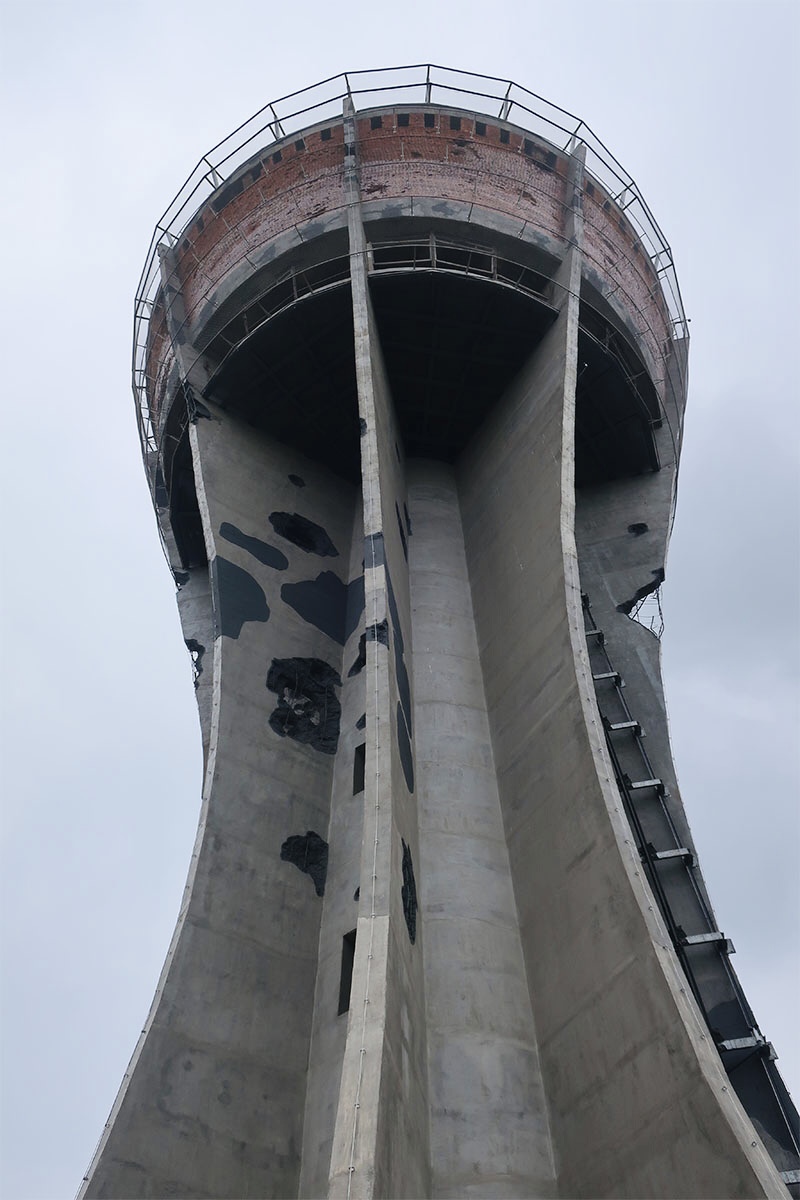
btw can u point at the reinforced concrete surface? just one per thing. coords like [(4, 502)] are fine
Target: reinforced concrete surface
[(415, 398)]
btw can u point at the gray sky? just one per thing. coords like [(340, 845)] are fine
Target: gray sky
[(108, 107)]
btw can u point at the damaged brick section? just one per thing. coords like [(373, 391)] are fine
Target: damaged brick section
[(309, 854)]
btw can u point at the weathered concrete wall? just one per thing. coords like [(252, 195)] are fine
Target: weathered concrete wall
[(489, 1129), (214, 1104), (340, 909), (639, 1104)]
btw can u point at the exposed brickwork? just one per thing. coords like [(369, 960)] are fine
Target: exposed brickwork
[(160, 357), (480, 162), (302, 185), (612, 247), (464, 165)]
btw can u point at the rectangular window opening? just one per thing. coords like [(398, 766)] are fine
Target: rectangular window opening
[(402, 120), (430, 120), (359, 763), (480, 128), (325, 135), (300, 144), (277, 156), (455, 122), (376, 122), (505, 136), (346, 977)]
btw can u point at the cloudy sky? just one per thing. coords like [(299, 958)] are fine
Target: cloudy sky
[(108, 106)]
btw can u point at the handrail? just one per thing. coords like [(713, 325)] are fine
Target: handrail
[(416, 84)]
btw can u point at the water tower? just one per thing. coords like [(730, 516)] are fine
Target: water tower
[(410, 365)]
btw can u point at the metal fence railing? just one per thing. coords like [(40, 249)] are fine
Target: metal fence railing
[(418, 84)]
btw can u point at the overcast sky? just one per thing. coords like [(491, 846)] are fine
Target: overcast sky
[(108, 106)]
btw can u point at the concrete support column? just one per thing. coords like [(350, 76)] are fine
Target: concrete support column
[(381, 1139), (489, 1128)]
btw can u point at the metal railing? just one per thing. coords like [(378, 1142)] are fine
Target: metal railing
[(414, 85)]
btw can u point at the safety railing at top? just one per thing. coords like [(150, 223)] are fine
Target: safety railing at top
[(418, 84)]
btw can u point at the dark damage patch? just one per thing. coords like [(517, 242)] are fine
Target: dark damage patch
[(360, 659), (270, 556), (404, 728), (308, 709), (327, 603), (646, 590), (404, 748), (309, 854), (240, 598), (303, 533), (379, 632), (401, 531), (409, 894), (196, 650), (374, 555)]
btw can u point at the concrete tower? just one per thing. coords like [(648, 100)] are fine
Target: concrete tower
[(411, 380)]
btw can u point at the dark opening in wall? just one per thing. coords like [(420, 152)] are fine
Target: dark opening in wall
[(402, 120), (184, 513), (505, 136), (430, 120), (346, 977), (455, 122), (480, 128), (375, 122), (359, 763)]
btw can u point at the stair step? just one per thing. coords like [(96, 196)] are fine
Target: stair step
[(681, 852), (754, 1042), (705, 939), (613, 675), (617, 726), (638, 785)]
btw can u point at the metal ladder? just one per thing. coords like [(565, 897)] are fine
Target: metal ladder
[(644, 786)]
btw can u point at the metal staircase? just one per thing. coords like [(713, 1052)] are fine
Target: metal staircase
[(702, 949)]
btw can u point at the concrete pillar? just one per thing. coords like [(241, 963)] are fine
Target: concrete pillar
[(489, 1127), (381, 1140)]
